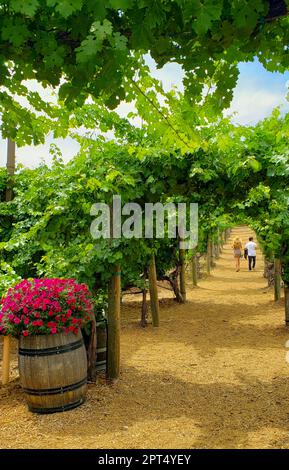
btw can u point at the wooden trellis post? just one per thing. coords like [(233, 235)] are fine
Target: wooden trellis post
[(218, 244), (286, 291), (154, 300), (195, 270), (113, 322), (277, 279), (8, 197), (209, 250), (211, 253), (183, 275)]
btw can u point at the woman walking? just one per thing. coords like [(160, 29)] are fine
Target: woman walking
[(237, 247)]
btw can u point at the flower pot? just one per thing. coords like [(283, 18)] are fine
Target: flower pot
[(53, 371)]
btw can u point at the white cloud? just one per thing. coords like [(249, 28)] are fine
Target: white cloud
[(32, 156), (253, 104)]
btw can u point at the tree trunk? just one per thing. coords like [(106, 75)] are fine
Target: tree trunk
[(154, 300), (277, 279), (173, 280), (183, 275), (113, 321), (144, 309), (195, 270), (174, 283)]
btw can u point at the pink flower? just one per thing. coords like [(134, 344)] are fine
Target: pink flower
[(54, 305)]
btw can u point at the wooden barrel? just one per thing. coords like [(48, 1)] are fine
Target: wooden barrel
[(101, 345), (53, 371)]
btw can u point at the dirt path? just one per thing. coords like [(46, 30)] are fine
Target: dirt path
[(213, 375)]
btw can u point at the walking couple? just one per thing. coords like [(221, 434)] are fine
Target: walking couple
[(250, 252)]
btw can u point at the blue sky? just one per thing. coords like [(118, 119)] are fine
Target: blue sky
[(257, 93)]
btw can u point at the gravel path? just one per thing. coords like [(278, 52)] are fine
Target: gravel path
[(213, 375)]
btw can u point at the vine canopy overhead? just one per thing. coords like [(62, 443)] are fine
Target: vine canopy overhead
[(91, 47)]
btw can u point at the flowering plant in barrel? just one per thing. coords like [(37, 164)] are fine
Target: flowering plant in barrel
[(45, 306), (47, 316)]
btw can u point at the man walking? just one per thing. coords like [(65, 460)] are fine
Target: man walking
[(251, 247)]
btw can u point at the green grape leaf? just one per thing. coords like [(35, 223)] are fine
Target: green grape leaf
[(121, 4), (65, 7), (93, 43), (15, 31), (206, 13), (27, 7)]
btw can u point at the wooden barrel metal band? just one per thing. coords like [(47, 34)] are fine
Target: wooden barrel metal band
[(100, 364), (56, 409), (51, 351), (55, 391), (99, 323)]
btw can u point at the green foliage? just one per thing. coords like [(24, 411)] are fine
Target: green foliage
[(44, 231), (3, 183), (8, 278), (93, 47)]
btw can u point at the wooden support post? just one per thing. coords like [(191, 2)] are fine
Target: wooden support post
[(154, 300), (113, 322), (212, 263), (6, 360), (277, 279), (286, 291), (195, 270), (222, 239), (208, 257), (183, 275), (10, 165), (218, 244)]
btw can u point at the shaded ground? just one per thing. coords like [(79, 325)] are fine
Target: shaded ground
[(213, 375)]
